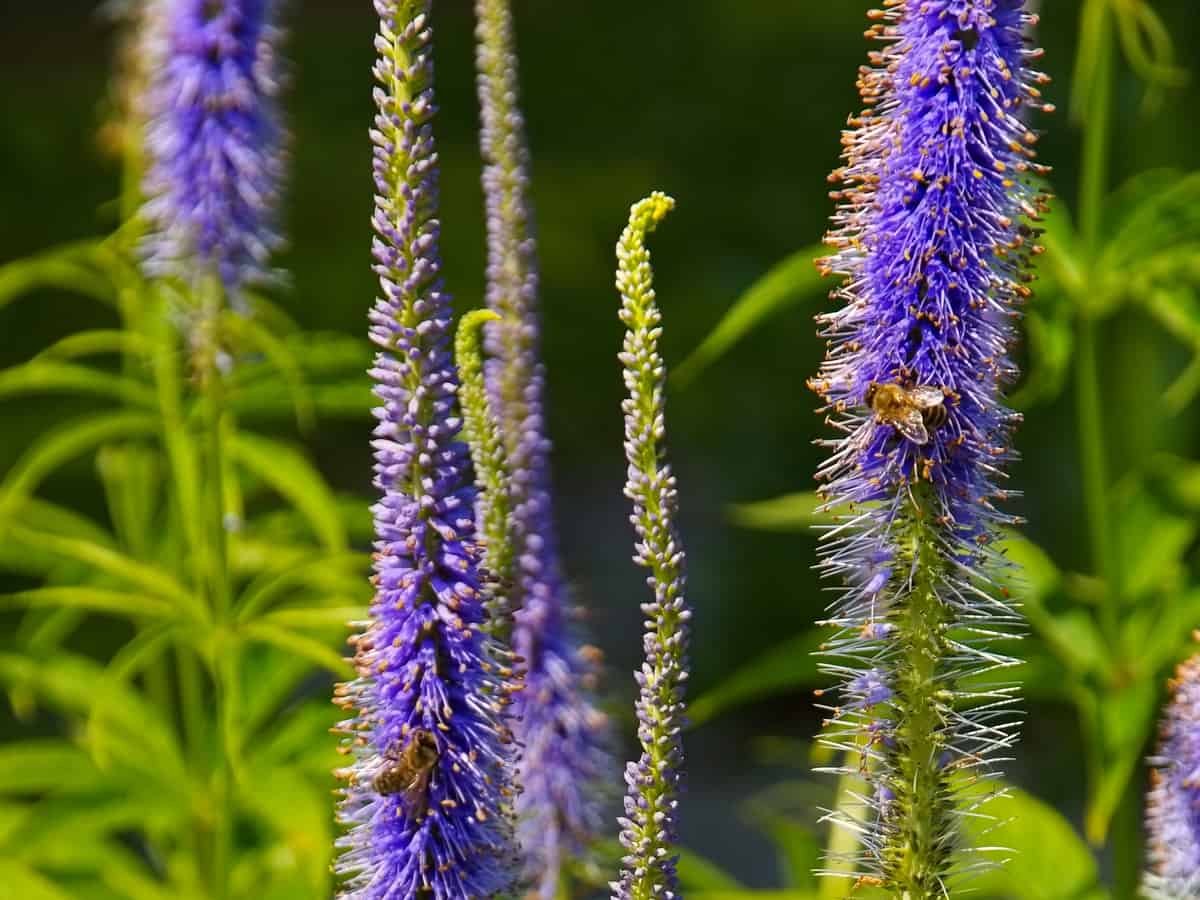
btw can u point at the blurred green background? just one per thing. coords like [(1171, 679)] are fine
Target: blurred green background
[(734, 108)]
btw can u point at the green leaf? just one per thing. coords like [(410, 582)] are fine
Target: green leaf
[(799, 851), (298, 812), (46, 376), (73, 683), (1126, 718), (1151, 540), (64, 444), (45, 764), (297, 644), (131, 475), (295, 478), (697, 874), (65, 267), (790, 512), (270, 681), (1051, 340), (787, 666), (315, 617), (1049, 861), (281, 357), (92, 599), (326, 573), (19, 882), (96, 341), (791, 280), (142, 575)]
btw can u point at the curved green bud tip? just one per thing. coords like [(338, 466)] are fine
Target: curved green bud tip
[(645, 215), (468, 343)]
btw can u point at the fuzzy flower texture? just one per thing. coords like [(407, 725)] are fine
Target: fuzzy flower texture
[(428, 794), (933, 249), (214, 141), (1173, 813), (565, 739), (649, 829)]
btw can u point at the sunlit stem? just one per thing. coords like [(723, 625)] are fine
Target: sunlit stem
[(917, 856)]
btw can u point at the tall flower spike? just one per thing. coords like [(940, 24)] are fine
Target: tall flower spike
[(649, 828), (214, 141), (428, 794), (493, 504), (1173, 809), (929, 240), (566, 758)]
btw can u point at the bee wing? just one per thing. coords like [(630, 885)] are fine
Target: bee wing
[(912, 426), (926, 396), (416, 795)]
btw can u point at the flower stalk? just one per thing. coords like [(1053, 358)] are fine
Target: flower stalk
[(428, 796), (566, 760), (482, 430), (649, 828), (214, 142), (933, 242)]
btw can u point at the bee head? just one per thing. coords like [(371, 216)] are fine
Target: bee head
[(869, 396)]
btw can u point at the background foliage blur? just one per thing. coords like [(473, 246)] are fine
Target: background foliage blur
[(735, 108)]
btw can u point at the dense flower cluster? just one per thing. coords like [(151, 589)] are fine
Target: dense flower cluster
[(930, 241), (565, 738), (428, 794), (214, 141), (649, 827), (1173, 813)]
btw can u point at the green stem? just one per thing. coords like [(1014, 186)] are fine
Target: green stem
[(213, 401), (1092, 191), (917, 858), (1093, 186)]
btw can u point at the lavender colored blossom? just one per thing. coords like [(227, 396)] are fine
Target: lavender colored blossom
[(649, 828), (930, 241), (428, 795), (214, 141), (1173, 809), (565, 738)]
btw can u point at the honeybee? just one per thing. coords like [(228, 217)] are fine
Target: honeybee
[(407, 771), (914, 412)]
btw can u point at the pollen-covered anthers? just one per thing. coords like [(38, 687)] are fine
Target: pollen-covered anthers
[(1172, 817)]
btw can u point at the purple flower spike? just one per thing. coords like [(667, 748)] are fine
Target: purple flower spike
[(566, 739), (428, 794), (214, 141), (1173, 809), (930, 240)]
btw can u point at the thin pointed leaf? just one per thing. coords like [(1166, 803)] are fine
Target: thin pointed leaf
[(65, 267), (64, 444), (91, 599), (283, 360), (793, 279), (787, 666), (40, 376), (150, 578), (298, 644), (791, 512), (295, 478), (96, 341)]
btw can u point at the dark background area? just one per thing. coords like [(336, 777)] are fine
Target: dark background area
[(732, 106)]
